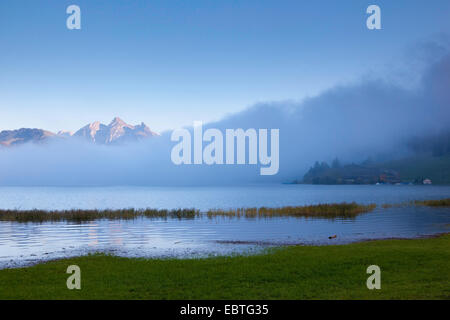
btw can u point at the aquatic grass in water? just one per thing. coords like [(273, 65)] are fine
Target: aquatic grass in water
[(343, 210), (89, 215), (434, 203), (421, 203), (413, 203), (328, 211)]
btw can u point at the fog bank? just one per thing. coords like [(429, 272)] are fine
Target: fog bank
[(373, 117)]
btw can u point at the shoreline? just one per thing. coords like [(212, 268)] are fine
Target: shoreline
[(293, 272), (261, 248), (287, 244)]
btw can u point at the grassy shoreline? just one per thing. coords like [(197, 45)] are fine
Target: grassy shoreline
[(410, 269)]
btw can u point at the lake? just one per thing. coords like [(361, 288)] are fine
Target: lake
[(28, 243)]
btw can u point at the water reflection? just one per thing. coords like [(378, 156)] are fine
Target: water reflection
[(25, 243)]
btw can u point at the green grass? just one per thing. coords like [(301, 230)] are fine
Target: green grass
[(410, 269)]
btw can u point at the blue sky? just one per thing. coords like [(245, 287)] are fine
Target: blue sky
[(168, 63)]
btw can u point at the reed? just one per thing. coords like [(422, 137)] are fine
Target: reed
[(327, 211), (90, 215), (330, 211), (433, 203)]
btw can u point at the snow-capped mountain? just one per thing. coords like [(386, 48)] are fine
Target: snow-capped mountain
[(117, 132)]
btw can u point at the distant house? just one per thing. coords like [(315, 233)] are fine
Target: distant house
[(427, 181)]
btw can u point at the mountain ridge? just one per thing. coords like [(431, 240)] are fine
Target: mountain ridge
[(116, 132)]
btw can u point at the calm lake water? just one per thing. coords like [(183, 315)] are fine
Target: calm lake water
[(28, 243)]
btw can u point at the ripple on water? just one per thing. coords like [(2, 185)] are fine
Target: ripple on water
[(27, 243)]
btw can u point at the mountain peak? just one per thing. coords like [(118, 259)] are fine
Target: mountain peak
[(117, 122), (94, 125), (117, 132)]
